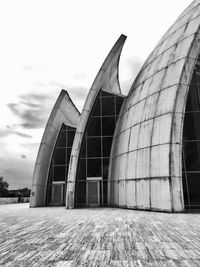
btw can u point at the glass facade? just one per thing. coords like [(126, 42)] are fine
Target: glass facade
[(191, 144), (92, 172), (57, 179)]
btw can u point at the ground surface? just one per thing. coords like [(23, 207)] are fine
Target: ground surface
[(97, 237)]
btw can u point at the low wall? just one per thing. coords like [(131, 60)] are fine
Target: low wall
[(10, 200)]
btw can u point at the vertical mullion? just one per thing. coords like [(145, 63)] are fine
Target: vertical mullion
[(197, 88), (100, 97), (66, 173), (66, 136), (86, 154), (52, 180), (115, 101)]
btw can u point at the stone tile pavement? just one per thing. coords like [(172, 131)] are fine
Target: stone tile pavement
[(97, 237)]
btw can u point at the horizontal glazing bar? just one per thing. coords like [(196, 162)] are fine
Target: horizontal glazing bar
[(96, 158)]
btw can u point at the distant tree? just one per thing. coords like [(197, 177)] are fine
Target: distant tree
[(3, 188), (25, 192)]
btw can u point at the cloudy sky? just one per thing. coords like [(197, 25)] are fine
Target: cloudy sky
[(49, 45)]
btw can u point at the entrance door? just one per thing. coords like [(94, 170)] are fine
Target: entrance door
[(57, 194), (93, 193)]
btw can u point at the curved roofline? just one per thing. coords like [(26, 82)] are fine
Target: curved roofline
[(64, 112), (152, 119), (115, 51), (106, 79), (65, 91)]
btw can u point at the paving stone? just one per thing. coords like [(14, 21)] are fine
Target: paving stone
[(97, 237)]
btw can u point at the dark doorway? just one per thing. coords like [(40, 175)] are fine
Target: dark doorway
[(58, 194), (93, 193)]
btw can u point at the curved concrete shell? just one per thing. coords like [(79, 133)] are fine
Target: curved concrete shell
[(64, 112), (146, 171), (106, 79)]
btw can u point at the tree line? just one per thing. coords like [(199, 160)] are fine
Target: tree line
[(5, 192)]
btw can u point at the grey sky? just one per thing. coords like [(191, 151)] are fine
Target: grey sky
[(51, 45)]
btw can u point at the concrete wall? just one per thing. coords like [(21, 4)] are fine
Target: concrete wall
[(64, 111), (107, 79), (146, 170)]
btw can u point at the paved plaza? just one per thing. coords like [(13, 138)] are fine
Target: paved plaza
[(97, 237)]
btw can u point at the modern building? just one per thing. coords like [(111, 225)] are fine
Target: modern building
[(140, 151)]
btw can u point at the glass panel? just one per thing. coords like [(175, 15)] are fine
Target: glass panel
[(66, 171), (69, 128), (96, 109), (59, 173), (59, 156), (192, 101), (64, 127), (194, 189), (119, 101), (192, 155), (105, 168), (108, 106), (94, 168), (61, 142), (185, 190), (93, 192), (105, 193), (107, 142), (108, 125), (70, 138), (198, 77), (81, 170), (106, 94), (94, 147), (80, 194), (83, 149), (94, 126), (57, 194), (192, 126)]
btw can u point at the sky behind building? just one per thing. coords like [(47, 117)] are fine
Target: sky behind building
[(50, 45)]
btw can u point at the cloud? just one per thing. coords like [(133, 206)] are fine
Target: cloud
[(79, 92), (31, 109), (10, 130), (130, 70), (80, 76), (22, 134), (30, 145), (134, 65), (26, 67), (57, 84)]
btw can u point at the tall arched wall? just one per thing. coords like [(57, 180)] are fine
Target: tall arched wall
[(107, 78), (145, 172), (65, 112)]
